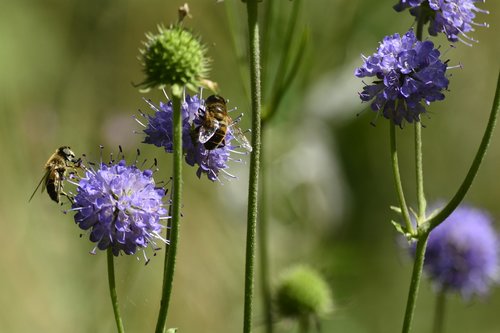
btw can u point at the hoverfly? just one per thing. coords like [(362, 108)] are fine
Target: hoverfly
[(55, 170), (215, 122)]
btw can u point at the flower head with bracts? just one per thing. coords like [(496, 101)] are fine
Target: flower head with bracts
[(210, 160)]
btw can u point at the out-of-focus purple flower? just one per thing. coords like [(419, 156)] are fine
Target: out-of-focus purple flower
[(122, 207), (159, 131), (451, 17), (462, 253), (408, 73)]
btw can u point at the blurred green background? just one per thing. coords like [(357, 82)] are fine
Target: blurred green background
[(66, 71)]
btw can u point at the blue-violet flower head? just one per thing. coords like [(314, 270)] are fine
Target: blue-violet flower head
[(159, 131), (409, 73), (451, 17), (122, 207), (462, 253)]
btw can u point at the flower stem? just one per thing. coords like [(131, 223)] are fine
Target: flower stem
[(420, 173), (483, 147), (418, 144), (415, 280), (263, 243), (255, 88), (112, 292), (170, 256), (439, 312), (397, 179)]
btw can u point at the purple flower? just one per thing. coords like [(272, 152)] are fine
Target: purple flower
[(408, 73), (452, 17), (462, 253), (159, 130), (121, 206)]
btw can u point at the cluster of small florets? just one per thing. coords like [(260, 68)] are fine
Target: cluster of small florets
[(121, 206), (408, 73), (159, 132), (451, 17), (463, 253)]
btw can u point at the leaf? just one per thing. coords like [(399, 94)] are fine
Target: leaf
[(399, 228)]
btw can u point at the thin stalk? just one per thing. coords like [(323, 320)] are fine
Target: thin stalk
[(420, 25), (415, 280), (418, 146), (476, 163), (170, 256), (419, 173), (255, 89), (263, 243), (397, 179), (439, 312), (112, 291)]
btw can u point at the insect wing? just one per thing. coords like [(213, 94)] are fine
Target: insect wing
[(241, 138), (207, 132), (42, 181)]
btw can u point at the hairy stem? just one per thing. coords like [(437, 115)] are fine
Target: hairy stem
[(255, 91), (478, 159), (397, 179), (415, 281), (170, 256), (112, 291)]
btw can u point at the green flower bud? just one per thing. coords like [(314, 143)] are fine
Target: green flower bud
[(302, 293), (175, 57)]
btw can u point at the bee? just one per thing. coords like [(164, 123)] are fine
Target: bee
[(55, 170), (215, 123)]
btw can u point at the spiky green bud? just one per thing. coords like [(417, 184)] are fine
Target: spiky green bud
[(302, 293), (173, 57)]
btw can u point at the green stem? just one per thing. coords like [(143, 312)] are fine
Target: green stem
[(420, 25), (420, 173), (170, 256), (255, 85), (415, 280), (112, 291), (439, 312), (483, 147), (397, 179), (263, 243), (418, 146)]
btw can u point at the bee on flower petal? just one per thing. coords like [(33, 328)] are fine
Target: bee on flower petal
[(215, 124)]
